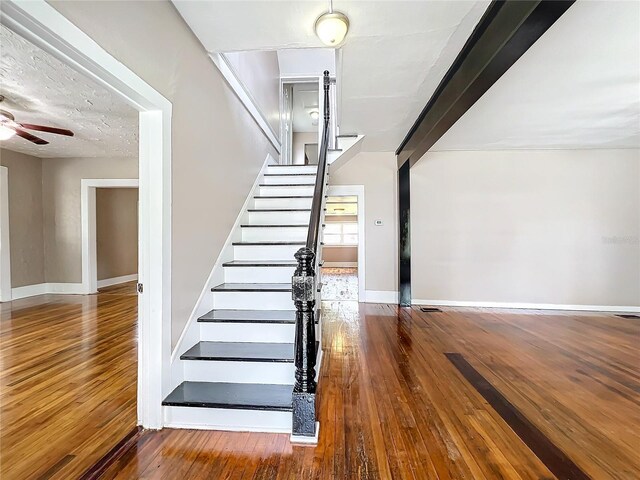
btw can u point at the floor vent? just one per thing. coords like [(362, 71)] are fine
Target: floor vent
[(628, 315), (429, 309)]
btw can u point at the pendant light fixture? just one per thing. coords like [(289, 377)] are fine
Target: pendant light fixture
[(331, 27)]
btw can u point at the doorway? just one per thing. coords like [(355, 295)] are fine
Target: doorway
[(300, 122), (343, 252)]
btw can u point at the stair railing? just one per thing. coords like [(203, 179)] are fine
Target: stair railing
[(304, 293)]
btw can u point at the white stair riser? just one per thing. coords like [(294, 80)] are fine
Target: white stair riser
[(279, 373), (250, 332), (278, 218), (281, 190), (258, 274), (247, 332), (283, 202), (227, 419), (274, 234), (293, 169), (265, 252), (279, 180), (251, 300)]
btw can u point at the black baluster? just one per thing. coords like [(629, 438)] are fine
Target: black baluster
[(304, 390)]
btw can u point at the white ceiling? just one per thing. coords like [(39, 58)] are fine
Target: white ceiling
[(40, 89), (305, 99), (394, 56), (303, 62), (578, 86)]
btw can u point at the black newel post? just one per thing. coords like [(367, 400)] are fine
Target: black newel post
[(304, 390)]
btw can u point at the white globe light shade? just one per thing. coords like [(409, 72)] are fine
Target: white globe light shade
[(314, 114), (6, 133), (332, 27)]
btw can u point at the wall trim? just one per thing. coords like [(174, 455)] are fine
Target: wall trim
[(5, 244), (245, 97), (46, 288), (45, 27), (358, 191), (381, 296), (528, 306), (107, 282)]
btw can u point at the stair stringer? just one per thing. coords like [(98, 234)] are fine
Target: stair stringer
[(191, 332), (350, 148)]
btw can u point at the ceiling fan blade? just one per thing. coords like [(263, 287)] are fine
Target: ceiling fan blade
[(28, 136), (42, 128)]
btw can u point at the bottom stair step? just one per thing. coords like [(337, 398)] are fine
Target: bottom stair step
[(241, 396)]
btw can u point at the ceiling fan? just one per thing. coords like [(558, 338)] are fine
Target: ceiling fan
[(9, 127)]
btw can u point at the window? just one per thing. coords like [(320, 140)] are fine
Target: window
[(341, 233)]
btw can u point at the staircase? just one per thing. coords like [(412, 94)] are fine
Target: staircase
[(240, 374)]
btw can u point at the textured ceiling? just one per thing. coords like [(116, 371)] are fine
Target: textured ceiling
[(42, 90), (578, 86), (395, 54)]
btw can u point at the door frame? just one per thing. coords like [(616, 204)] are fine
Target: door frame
[(44, 26), (356, 191), (89, 235), (5, 244)]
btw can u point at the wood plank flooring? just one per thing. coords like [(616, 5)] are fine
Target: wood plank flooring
[(393, 406), (392, 403), (68, 368)]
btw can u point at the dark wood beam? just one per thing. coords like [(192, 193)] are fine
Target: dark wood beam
[(404, 215), (504, 33)]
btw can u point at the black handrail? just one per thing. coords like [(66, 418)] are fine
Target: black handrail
[(318, 192), (303, 292)]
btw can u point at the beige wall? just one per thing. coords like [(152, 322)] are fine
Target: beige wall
[(377, 171), (62, 213), (340, 254), (299, 140), (117, 232), (217, 148), (25, 218), (557, 227), (259, 72)]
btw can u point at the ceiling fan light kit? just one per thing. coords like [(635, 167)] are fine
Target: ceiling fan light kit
[(9, 127), (332, 27)]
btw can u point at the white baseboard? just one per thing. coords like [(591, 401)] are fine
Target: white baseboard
[(528, 306), (44, 288), (380, 296), (107, 282), (340, 264)]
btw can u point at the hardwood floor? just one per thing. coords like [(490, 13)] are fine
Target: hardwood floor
[(68, 381), (394, 406)]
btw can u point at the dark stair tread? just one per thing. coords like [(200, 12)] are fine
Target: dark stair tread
[(288, 174), (286, 185), (269, 243), (240, 352), (279, 210), (350, 135), (261, 197), (252, 316), (243, 396), (260, 263), (300, 225), (252, 287)]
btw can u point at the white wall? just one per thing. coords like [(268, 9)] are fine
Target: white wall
[(549, 227), (259, 72), (378, 172), (217, 147)]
